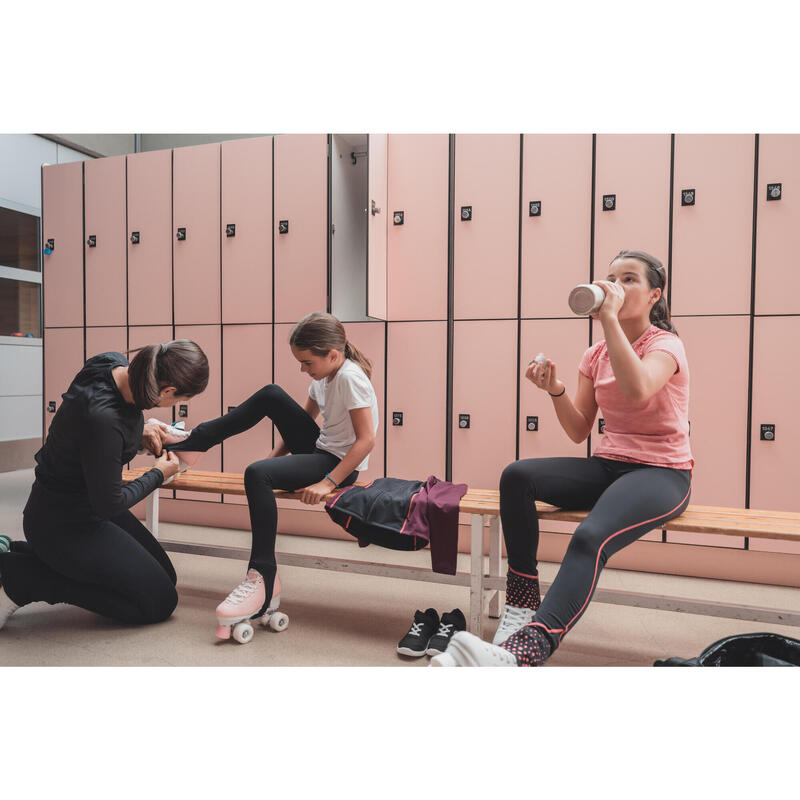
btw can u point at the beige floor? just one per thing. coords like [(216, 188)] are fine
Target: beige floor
[(346, 620)]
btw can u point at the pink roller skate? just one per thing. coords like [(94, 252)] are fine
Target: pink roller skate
[(245, 603), (177, 433)]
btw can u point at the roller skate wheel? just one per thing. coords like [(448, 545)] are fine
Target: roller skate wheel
[(243, 632), (279, 622)]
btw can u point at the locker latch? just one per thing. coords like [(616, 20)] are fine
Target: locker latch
[(466, 212), (49, 246), (532, 423), (767, 433), (230, 230), (181, 235), (463, 420), (774, 191), (183, 411), (51, 406), (283, 226), (601, 425), (92, 241), (687, 197), (374, 209), (535, 208), (135, 238), (399, 218), (609, 202), (397, 418)]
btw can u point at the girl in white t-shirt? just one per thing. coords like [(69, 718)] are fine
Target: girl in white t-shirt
[(306, 457)]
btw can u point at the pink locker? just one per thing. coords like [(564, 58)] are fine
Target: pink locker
[(206, 405), (247, 367), (718, 352), (62, 233), (556, 220), (196, 234), (63, 359), (104, 245), (778, 228), (631, 197), (301, 220), (106, 340), (140, 337), (563, 341), (150, 238), (773, 454), (417, 391), (484, 401), (486, 238), (712, 233), (247, 230), (377, 217), (416, 216)]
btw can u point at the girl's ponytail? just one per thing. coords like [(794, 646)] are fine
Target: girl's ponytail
[(354, 354)]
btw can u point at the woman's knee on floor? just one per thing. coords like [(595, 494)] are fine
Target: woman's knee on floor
[(158, 603)]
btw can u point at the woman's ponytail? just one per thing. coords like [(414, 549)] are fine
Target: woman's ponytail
[(180, 363), (656, 279)]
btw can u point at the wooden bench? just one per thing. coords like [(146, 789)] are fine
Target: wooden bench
[(486, 586)]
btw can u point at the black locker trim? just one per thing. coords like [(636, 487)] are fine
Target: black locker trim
[(41, 292), (450, 309), (519, 295), (272, 228), (591, 256), (671, 218), (366, 282), (328, 235), (221, 327), (83, 249), (385, 392), (172, 254)]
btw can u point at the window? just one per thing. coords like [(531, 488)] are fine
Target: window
[(19, 308), (19, 240)]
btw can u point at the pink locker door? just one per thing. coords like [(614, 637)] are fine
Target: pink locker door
[(104, 245), (206, 405), (377, 216), (712, 233), (150, 238), (247, 230), (485, 389), (141, 337), (247, 360), (63, 359), (486, 238), (195, 192), (778, 228), (301, 221), (62, 222), (556, 220), (776, 387), (416, 217), (106, 340), (563, 341), (632, 174), (718, 351), (416, 389)]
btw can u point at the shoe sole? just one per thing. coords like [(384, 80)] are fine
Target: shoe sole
[(407, 651)]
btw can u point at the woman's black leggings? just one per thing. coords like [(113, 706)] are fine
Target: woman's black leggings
[(307, 465), (626, 500), (112, 567)]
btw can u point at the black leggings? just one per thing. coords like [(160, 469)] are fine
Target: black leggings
[(627, 501), (112, 567), (307, 464)]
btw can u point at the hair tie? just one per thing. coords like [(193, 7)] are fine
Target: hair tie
[(163, 349)]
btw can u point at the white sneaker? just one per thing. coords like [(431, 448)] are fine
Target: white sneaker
[(512, 620), (467, 650), (7, 607)]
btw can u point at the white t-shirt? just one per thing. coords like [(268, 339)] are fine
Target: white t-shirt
[(350, 388)]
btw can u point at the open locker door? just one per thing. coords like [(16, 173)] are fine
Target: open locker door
[(376, 226)]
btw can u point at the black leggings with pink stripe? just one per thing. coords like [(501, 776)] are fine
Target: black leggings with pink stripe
[(627, 501)]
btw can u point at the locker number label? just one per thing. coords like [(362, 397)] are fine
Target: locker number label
[(51, 406), (397, 418), (463, 420), (183, 411), (601, 425), (532, 423), (767, 433)]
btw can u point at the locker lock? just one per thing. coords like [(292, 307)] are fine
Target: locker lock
[(181, 235), (774, 191), (51, 407), (767, 433), (601, 425), (283, 226), (609, 202), (230, 230), (463, 420), (399, 218), (135, 238), (687, 197), (49, 246), (532, 423), (535, 208), (466, 212), (92, 241), (183, 411), (397, 419)]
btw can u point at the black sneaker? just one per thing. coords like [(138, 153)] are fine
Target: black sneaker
[(452, 622), (415, 642)]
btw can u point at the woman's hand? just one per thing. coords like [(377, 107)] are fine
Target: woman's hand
[(317, 493), (615, 297), (168, 464), (153, 438), (542, 373)]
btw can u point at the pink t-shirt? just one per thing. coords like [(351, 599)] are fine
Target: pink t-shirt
[(656, 431)]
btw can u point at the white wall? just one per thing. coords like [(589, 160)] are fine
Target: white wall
[(20, 390)]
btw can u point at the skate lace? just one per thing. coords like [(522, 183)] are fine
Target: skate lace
[(514, 618), (242, 591)]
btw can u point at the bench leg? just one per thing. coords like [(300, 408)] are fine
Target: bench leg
[(151, 513), (495, 550), (476, 576)]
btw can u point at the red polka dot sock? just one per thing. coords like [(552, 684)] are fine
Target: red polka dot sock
[(529, 645), (522, 591)]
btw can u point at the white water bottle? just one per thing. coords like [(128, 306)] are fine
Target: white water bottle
[(586, 298)]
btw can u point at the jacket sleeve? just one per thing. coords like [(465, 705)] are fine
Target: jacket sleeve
[(101, 458)]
